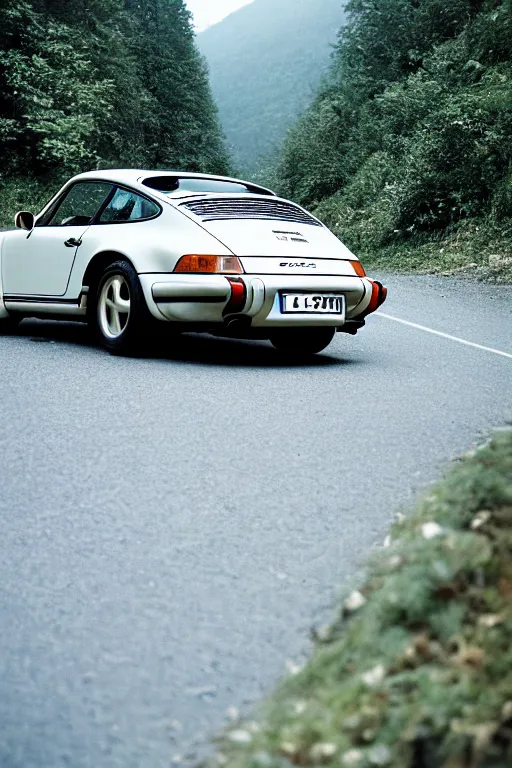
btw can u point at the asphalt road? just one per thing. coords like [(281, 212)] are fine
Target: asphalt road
[(171, 527)]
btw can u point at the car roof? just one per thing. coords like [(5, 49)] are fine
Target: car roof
[(136, 175)]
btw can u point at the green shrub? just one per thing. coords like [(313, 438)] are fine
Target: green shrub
[(502, 200), (363, 214), (25, 194)]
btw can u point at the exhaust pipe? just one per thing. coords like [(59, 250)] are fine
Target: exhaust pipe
[(351, 327), (238, 325)]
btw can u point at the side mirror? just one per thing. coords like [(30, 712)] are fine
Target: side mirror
[(24, 220)]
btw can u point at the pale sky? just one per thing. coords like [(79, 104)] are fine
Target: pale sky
[(207, 12)]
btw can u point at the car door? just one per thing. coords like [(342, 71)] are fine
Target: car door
[(116, 227), (39, 263)]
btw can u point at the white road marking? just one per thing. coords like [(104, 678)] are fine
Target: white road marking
[(444, 335)]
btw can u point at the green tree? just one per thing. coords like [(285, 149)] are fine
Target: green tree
[(412, 132), (182, 128), (103, 82)]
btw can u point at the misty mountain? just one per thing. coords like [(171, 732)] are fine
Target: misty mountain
[(266, 61)]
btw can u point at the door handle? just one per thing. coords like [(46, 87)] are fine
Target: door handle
[(72, 243)]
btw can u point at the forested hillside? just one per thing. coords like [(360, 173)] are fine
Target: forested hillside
[(410, 139), (101, 83), (266, 61)]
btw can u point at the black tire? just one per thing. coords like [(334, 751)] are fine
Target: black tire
[(133, 328), (9, 325), (301, 342)]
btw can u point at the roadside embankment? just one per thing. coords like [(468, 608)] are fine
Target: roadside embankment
[(477, 248), (416, 672)]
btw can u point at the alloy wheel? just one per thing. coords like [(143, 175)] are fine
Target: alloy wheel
[(114, 306)]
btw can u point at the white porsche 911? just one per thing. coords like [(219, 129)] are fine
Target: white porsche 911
[(126, 249)]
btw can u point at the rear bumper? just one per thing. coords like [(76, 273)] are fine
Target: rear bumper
[(199, 299)]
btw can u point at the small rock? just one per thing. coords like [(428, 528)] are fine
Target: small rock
[(355, 601), (431, 530), (471, 657), (322, 634), (410, 653), (374, 676), (300, 707), (293, 668), (481, 519), (233, 714), (322, 750), (490, 620)]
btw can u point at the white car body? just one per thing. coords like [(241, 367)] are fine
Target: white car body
[(283, 249)]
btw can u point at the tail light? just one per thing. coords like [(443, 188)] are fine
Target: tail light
[(379, 296), (238, 297), (358, 268), (205, 265)]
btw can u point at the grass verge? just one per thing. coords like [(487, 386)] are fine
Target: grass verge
[(416, 672), (476, 249)]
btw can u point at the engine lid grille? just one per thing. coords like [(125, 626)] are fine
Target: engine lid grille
[(229, 209)]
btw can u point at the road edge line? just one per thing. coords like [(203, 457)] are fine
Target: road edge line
[(443, 335)]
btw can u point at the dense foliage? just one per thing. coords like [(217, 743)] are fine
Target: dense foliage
[(416, 672), (412, 132), (102, 83), (266, 61)]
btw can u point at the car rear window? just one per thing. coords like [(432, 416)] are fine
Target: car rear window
[(194, 186)]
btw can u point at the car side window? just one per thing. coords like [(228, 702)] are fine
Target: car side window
[(79, 206), (128, 206)]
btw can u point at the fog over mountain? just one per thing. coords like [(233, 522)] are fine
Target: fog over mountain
[(208, 12), (266, 61)]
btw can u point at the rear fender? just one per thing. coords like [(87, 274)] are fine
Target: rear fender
[(152, 246), (377, 295), (3, 312)]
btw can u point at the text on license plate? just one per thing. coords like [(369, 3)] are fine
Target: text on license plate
[(316, 303)]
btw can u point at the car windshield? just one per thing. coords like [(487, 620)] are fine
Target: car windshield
[(173, 184)]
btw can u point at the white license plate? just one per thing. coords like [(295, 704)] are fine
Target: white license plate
[(313, 303)]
